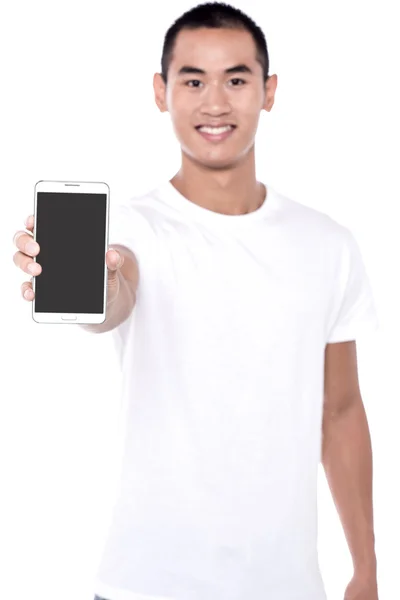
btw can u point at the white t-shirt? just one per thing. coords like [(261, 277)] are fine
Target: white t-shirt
[(223, 377)]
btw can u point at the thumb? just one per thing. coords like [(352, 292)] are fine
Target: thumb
[(114, 260)]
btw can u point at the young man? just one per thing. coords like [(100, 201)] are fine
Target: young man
[(239, 359)]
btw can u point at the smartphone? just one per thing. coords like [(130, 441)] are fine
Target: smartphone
[(71, 228)]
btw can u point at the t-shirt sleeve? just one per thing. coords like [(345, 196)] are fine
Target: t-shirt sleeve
[(128, 226), (121, 226), (354, 312)]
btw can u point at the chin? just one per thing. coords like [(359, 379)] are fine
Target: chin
[(221, 166), (215, 163), (218, 165)]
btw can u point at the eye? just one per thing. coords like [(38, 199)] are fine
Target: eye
[(237, 79), (191, 81), (197, 81)]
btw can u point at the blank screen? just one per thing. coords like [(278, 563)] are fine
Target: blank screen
[(70, 230)]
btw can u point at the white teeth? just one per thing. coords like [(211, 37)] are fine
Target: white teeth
[(215, 130)]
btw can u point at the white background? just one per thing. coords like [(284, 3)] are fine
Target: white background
[(77, 104)]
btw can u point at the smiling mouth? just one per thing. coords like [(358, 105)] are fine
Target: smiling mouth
[(214, 129), (215, 134)]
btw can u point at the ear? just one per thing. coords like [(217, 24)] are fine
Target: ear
[(160, 92), (270, 88)]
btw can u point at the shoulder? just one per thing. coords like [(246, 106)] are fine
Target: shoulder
[(136, 211), (312, 222)]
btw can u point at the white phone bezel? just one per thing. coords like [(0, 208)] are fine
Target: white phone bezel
[(89, 187)]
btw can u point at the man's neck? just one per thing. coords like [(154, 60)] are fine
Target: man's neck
[(231, 192)]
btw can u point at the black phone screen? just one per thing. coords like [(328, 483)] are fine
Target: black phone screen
[(70, 231)]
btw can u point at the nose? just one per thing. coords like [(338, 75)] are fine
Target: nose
[(215, 100)]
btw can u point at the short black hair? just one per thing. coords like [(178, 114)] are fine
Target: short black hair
[(215, 15)]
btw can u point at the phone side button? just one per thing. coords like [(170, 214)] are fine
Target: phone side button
[(69, 317)]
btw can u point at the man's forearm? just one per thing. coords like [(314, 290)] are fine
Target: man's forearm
[(347, 461), (118, 311)]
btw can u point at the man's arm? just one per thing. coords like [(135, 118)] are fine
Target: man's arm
[(121, 308), (347, 454)]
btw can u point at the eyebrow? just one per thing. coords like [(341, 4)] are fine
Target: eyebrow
[(236, 69)]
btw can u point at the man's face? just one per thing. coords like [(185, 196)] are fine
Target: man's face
[(215, 97)]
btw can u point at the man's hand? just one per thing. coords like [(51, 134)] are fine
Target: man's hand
[(362, 588)]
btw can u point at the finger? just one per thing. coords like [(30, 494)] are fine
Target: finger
[(27, 291), (26, 263), (114, 260), (26, 244), (30, 222)]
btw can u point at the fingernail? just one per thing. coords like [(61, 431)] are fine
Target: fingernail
[(118, 256)]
